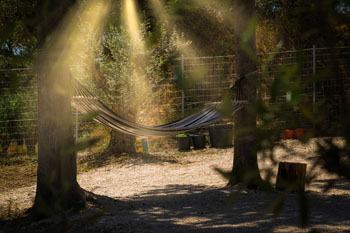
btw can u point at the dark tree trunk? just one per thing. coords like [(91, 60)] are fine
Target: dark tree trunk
[(245, 166), (291, 176), (57, 186), (120, 142)]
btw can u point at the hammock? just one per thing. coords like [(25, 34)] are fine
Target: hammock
[(86, 103)]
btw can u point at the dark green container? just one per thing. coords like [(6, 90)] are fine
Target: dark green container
[(183, 143), (221, 135), (198, 141)]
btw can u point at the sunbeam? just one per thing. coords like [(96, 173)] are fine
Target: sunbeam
[(158, 9), (132, 22), (67, 47)]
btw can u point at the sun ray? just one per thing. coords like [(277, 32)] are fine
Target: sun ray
[(66, 46), (158, 9), (133, 24)]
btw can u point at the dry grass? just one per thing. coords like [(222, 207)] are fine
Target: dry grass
[(17, 172)]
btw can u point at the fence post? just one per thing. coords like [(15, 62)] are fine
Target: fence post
[(182, 86), (314, 81), (76, 125)]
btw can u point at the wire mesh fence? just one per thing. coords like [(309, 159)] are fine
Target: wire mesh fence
[(195, 82), (332, 89), (274, 67), (18, 113)]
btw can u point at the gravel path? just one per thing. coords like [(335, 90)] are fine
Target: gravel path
[(181, 192)]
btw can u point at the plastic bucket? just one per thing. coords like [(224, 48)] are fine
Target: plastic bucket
[(198, 141), (183, 143), (221, 135)]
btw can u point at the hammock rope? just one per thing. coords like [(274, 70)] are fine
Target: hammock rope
[(86, 103)]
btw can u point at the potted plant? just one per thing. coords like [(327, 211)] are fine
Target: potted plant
[(221, 135), (183, 142)]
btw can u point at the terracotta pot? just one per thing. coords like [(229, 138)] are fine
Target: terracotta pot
[(288, 134), (299, 133)]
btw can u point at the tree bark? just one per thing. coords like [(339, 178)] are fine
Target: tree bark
[(120, 142), (291, 176), (57, 186), (245, 166)]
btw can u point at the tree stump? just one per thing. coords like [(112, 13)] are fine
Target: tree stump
[(291, 176)]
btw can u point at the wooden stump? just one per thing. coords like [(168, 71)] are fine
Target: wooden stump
[(291, 176)]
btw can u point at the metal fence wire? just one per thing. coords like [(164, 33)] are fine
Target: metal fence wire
[(18, 113), (195, 82), (323, 79)]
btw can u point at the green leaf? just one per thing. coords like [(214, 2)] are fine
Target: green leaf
[(7, 31)]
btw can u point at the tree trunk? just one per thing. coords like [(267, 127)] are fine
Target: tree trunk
[(120, 142), (291, 176), (57, 186), (245, 166)]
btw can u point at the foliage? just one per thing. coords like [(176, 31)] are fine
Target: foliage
[(297, 23), (122, 59), (18, 104), (122, 73), (116, 65), (284, 87), (163, 53), (332, 156), (17, 42), (207, 24)]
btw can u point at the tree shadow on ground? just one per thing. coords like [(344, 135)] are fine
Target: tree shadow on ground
[(340, 184), (197, 208), (191, 208)]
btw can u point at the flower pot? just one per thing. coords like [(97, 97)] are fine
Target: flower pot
[(221, 135), (183, 143), (288, 134), (299, 133), (198, 141)]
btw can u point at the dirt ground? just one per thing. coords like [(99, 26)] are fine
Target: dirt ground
[(180, 192)]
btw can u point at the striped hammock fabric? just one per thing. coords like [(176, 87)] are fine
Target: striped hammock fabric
[(86, 103)]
